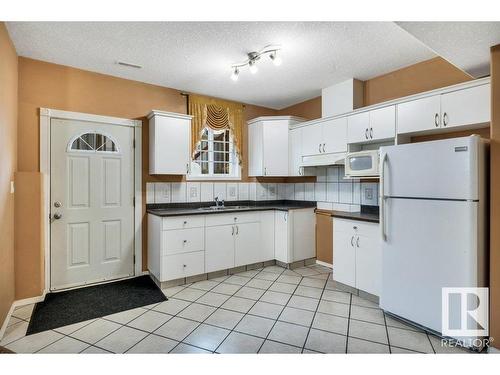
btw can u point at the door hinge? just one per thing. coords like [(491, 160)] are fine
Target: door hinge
[(134, 258), (133, 201), (133, 143)]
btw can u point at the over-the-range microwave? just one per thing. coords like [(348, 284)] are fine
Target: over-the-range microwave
[(362, 164)]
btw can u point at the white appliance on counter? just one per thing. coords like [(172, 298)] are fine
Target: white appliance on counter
[(362, 164), (433, 222)]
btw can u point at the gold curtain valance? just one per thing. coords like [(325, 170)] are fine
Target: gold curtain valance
[(216, 114)]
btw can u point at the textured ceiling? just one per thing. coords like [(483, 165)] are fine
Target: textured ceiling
[(196, 56), (464, 44)]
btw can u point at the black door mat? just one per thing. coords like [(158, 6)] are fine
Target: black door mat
[(77, 305)]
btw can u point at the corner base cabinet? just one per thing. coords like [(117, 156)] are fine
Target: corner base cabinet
[(295, 235), (357, 257), (169, 143)]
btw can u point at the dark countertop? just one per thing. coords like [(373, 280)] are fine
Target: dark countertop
[(180, 209), (368, 213)]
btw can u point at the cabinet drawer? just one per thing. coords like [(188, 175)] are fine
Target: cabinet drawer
[(356, 227), (237, 217), (182, 265), (183, 222), (182, 241)]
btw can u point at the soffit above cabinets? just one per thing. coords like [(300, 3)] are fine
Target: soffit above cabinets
[(464, 44), (197, 56)]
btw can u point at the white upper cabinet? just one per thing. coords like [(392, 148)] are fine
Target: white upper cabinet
[(463, 108), (325, 137), (419, 115), (375, 125), (312, 139), (268, 145), (169, 143), (295, 152), (334, 134)]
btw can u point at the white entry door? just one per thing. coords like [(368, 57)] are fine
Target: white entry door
[(91, 198)]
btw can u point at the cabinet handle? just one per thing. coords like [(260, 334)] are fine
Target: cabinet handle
[(300, 171), (184, 266), (357, 242), (319, 147), (324, 147), (371, 133), (284, 216), (445, 119), (185, 241), (352, 239), (436, 120), (237, 230), (265, 171), (232, 231), (185, 222), (187, 168), (366, 133)]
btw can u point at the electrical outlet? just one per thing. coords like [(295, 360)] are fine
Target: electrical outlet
[(232, 191), (368, 193), (193, 192)]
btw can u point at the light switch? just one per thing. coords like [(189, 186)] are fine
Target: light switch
[(12, 187)]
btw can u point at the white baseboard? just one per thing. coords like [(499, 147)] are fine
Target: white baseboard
[(324, 263), (19, 303)]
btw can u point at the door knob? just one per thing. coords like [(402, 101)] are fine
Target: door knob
[(57, 216)]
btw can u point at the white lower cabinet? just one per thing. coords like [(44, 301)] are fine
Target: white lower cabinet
[(357, 255), (219, 248), (191, 245), (295, 235)]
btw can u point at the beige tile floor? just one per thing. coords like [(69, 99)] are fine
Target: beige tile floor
[(270, 310)]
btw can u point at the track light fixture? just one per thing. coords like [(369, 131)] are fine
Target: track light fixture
[(252, 59)]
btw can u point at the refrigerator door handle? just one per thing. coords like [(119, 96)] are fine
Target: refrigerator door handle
[(382, 197)]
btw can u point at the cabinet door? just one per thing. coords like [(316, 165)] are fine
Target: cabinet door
[(219, 248), (281, 237), (295, 152), (358, 127), (383, 123), (267, 236), (304, 234), (368, 264), (312, 139), (171, 142), (344, 257), (247, 244), (275, 148), (466, 107), (335, 135), (419, 115), (255, 149)]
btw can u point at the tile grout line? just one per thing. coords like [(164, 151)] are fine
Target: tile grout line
[(279, 315), (265, 291), (387, 333), (348, 325), (314, 315)]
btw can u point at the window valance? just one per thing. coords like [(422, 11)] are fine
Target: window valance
[(218, 115)]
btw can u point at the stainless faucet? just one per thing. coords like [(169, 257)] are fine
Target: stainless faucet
[(217, 201)]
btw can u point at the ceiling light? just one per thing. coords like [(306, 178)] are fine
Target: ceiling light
[(235, 74), (252, 67), (252, 59), (275, 58)]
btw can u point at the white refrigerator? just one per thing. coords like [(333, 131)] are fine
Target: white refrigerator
[(433, 220)]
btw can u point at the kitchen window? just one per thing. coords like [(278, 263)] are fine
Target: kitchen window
[(215, 156)]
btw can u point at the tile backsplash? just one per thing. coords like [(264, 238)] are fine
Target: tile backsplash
[(331, 190)]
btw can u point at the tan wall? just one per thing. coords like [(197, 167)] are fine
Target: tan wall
[(310, 109), (424, 76), (495, 198), (54, 86), (8, 164)]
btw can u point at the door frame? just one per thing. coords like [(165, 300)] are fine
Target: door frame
[(46, 115)]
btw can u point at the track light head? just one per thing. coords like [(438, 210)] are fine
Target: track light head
[(275, 58), (235, 74)]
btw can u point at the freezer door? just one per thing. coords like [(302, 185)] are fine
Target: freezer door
[(430, 245), (445, 169)]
